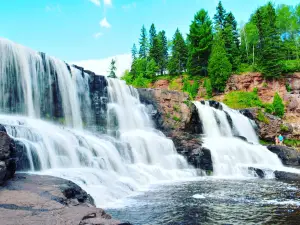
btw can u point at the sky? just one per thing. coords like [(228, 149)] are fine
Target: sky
[(92, 32)]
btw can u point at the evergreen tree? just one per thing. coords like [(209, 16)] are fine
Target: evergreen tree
[(133, 52), (164, 55), (278, 105), (113, 68), (232, 43), (178, 60), (269, 41), (219, 67), (219, 17), (143, 53), (200, 41), (152, 35)]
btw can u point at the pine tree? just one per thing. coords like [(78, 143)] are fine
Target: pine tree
[(178, 60), (219, 67), (134, 52), (113, 68), (164, 55), (278, 105), (269, 41), (231, 38), (143, 53), (219, 17), (152, 35), (200, 42)]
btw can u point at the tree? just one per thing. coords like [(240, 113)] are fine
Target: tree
[(113, 68), (178, 59), (219, 17), (134, 52), (143, 44), (278, 105), (200, 40), (219, 67), (269, 41), (164, 55), (152, 35), (232, 43), (249, 41)]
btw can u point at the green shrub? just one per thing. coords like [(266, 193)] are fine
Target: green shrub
[(255, 90), (168, 115), (208, 88), (191, 89), (141, 82), (242, 99), (176, 118), (292, 142), (288, 87), (187, 102), (262, 118), (174, 85), (269, 108), (284, 128), (176, 108), (278, 105), (290, 66)]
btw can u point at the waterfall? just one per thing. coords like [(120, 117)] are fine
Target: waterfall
[(232, 156), (52, 110)]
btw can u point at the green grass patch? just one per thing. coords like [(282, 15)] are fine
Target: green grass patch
[(262, 142), (177, 119), (242, 99), (292, 142), (262, 118), (284, 128)]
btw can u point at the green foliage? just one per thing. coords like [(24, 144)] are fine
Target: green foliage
[(269, 108), (176, 119), (255, 90), (168, 115), (144, 45), (219, 17), (242, 99), (290, 66), (134, 52), (163, 50), (208, 88), (219, 67), (288, 87), (284, 128), (278, 105), (200, 41), (265, 85), (263, 142), (112, 69), (191, 89), (187, 102), (140, 82), (176, 108), (262, 118), (292, 142), (178, 59)]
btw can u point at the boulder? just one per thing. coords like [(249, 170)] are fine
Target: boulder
[(287, 155), (35, 200), (286, 176), (7, 156)]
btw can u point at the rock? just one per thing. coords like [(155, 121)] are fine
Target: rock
[(287, 155), (7, 156), (259, 172), (286, 176), (35, 200)]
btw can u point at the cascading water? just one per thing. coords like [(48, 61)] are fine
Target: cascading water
[(232, 156), (108, 165)]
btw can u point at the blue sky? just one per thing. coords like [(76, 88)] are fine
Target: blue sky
[(76, 30)]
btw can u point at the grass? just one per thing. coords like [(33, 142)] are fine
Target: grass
[(262, 142), (262, 118), (176, 118), (284, 128), (174, 85), (176, 108), (242, 99), (292, 142)]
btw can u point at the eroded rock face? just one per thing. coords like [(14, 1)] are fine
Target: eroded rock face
[(7, 156), (36, 200)]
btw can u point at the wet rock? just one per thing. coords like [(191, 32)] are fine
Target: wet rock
[(287, 155), (7, 156), (286, 176), (258, 172), (35, 200)]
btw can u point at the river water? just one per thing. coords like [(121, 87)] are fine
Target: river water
[(213, 201)]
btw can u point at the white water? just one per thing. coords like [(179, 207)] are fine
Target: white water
[(108, 166), (232, 156)]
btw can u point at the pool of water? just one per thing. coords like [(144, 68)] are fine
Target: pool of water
[(213, 201)]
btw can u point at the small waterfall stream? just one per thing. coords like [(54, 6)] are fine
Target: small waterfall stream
[(232, 156)]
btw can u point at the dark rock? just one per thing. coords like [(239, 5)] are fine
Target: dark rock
[(7, 157), (259, 172), (287, 155), (248, 113), (215, 104), (286, 176)]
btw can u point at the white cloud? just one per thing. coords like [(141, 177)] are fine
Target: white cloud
[(97, 35), (96, 2), (104, 23), (129, 6), (107, 2), (101, 66)]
